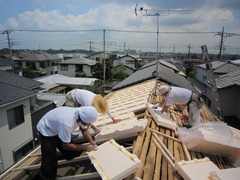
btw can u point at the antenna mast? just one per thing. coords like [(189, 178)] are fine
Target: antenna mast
[(157, 12)]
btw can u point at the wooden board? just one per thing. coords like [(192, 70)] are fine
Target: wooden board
[(113, 161)]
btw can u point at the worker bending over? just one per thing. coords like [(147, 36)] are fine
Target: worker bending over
[(55, 129), (81, 97), (172, 95)]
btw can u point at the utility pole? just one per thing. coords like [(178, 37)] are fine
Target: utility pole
[(9, 42), (155, 12), (90, 48), (221, 45), (212, 83), (189, 50), (224, 35), (104, 56)]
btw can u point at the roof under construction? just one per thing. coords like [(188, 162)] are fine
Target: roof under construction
[(129, 104)]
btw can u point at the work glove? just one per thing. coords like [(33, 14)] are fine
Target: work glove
[(156, 106)]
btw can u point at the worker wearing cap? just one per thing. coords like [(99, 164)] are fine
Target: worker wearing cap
[(81, 97), (172, 95), (55, 129)]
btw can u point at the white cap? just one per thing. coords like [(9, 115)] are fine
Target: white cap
[(163, 89), (88, 114)]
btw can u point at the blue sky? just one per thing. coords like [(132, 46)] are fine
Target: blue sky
[(95, 15)]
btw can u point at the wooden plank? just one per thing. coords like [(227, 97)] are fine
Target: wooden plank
[(139, 172), (165, 135), (163, 147), (91, 175), (170, 149), (150, 159), (157, 170)]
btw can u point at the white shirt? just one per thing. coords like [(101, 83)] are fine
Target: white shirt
[(61, 121), (178, 95), (85, 98)]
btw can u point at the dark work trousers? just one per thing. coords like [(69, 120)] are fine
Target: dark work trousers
[(48, 169)]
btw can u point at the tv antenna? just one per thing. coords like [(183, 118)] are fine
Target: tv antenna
[(157, 12)]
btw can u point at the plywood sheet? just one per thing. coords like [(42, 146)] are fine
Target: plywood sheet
[(223, 174), (162, 120), (113, 161), (197, 169)]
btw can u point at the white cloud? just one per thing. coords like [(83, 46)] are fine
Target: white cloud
[(12, 22)]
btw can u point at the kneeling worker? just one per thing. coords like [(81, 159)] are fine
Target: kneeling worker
[(55, 129), (172, 95), (82, 97)]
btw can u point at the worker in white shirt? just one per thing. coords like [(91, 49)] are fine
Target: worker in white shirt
[(82, 97), (55, 129), (172, 95)]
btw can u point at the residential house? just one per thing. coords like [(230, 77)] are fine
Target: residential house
[(237, 62), (146, 59), (98, 57), (127, 69), (228, 86), (6, 64), (40, 64), (16, 93), (76, 66), (128, 102), (126, 60), (60, 84), (219, 68)]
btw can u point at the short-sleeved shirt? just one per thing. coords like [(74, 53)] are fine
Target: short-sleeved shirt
[(178, 95), (61, 121), (83, 97)]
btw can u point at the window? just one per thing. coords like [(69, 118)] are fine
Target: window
[(15, 116), (79, 68), (64, 67), (204, 78), (22, 151), (130, 61)]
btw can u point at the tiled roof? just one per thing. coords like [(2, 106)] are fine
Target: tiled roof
[(228, 80), (154, 164), (6, 62), (40, 57), (215, 64), (79, 60), (166, 74), (14, 87), (55, 80), (226, 68)]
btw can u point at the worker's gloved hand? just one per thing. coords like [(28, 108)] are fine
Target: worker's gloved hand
[(159, 112), (95, 147), (156, 106), (90, 148)]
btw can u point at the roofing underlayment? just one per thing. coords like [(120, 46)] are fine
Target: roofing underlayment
[(156, 146)]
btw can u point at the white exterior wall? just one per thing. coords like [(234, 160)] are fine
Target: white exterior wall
[(117, 62), (11, 139), (71, 70), (124, 60), (87, 70), (200, 74)]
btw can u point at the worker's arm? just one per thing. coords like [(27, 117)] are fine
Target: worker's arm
[(112, 117), (87, 135), (77, 147), (164, 109)]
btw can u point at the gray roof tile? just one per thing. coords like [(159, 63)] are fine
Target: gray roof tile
[(228, 80), (14, 87)]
